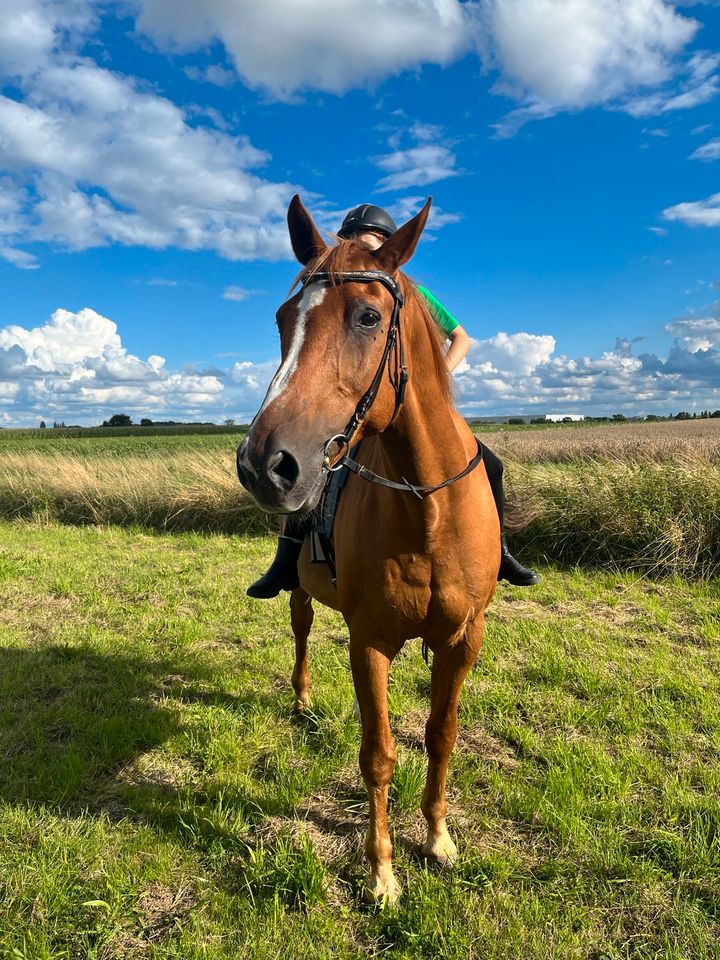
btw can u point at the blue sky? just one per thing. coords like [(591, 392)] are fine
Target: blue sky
[(148, 151)]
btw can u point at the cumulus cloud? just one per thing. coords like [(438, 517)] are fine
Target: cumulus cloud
[(75, 368), (696, 333), (555, 55), (549, 55), (520, 373), (91, 157), (331, 45), (696, 213)]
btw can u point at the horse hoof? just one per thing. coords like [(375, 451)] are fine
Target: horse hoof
[(302, 705), (441, 852), (382, 892)]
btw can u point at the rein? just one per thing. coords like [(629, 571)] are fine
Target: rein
[(394, 339)]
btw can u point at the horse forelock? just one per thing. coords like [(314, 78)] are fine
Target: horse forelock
[(344, 257)]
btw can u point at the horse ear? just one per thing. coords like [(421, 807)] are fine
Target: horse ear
[(398, 248), (304, 236)]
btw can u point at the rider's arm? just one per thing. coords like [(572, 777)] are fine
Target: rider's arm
[(459, 340), (459, 346)]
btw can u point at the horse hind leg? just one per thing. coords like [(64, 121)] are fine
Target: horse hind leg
[(301, 618), (451, 664)]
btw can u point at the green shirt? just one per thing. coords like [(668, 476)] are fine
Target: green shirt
[(442, 317)]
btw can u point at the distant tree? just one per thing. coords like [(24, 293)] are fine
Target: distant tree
[(683, 415), (145, 422), (42, 425), (118, 420), (619, 416), (229, 422), (715, 415), (652, 418), (516, 421)]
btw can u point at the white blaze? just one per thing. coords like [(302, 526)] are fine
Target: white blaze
[(312, 297)]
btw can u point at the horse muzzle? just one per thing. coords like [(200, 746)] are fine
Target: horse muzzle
[(275, 478)]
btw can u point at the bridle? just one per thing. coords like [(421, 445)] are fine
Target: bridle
[(394, 340)]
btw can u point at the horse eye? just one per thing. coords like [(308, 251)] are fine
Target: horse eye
[(369, 319)]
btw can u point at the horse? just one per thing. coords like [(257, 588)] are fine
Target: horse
[(361, 359)]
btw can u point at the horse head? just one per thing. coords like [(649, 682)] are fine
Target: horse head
[(337, 345)]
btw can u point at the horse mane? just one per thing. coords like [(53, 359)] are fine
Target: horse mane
[(339, 258)]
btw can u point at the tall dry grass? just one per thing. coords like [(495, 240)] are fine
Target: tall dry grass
[(189, 491), (654, 517), (667, 442), (644, 497)]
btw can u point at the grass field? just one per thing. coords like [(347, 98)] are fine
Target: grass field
[(158, 799)]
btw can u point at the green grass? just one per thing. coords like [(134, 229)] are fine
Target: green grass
[(158, 799)]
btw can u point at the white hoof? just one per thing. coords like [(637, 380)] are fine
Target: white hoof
[(440, 848), (383, 889)]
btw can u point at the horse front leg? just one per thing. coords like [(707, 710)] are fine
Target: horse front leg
[(370, 668), (451, 664), (301, 618)]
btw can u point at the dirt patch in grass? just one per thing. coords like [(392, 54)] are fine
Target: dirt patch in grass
[(160, 912), (410, 732)]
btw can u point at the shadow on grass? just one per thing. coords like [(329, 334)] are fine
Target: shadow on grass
[(71, 718), (85, 733)]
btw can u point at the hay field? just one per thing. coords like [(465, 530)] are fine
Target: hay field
[(666, 442)]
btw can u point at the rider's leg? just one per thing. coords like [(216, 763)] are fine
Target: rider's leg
[(510, 569), (282, 574)]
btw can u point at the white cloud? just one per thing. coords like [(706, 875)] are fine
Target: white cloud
[(700, 85), (550, 55), (517, 353), (520, 373), (708, 151), (698, 213), (75, 368), (415, 167), (557, 55), (406, 208), (92, 158), (332, 45), (236, 293), (696, 333)]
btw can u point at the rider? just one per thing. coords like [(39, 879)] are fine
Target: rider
[(371, 226)]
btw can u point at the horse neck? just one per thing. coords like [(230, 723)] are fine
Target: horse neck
[(424, 443)]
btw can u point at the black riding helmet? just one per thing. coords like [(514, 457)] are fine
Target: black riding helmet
[(368, 218)]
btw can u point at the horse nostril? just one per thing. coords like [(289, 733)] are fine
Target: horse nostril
[(284, 467)]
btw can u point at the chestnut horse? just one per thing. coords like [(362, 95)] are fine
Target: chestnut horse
[(407, 565)]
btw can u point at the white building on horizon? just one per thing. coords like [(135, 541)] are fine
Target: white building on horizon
[(559, 417)]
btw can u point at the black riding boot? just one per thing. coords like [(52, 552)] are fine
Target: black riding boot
[(282, 573), (513, 571), (510, 569)]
